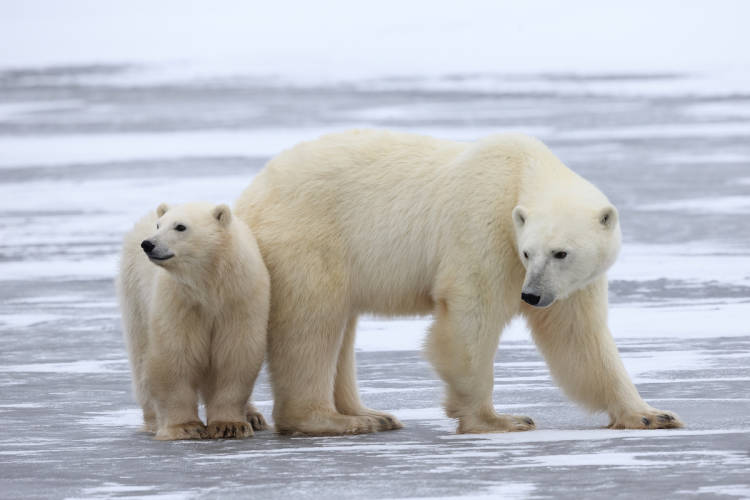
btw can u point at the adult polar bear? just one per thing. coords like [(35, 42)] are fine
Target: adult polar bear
[(400, 224)]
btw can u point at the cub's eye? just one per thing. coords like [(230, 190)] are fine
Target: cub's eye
[(525, 255), (561, 255), (157, 226), (179, 227)]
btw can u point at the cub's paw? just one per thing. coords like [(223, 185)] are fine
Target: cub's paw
[(229, 430), (256, 419), (650, 418), (495, 423), (188, 430)]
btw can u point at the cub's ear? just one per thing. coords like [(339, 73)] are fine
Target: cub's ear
[(222, 214), (519, 216), (608, 217), (161, 209)]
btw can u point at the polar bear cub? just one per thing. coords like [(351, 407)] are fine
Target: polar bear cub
[(194, 294)]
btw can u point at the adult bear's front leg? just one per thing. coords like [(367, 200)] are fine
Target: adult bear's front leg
[(573, 336), (461, 345)]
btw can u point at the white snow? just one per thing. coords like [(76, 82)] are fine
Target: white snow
[(720, 110), (709, 157), (546, 435), (697, 261), (635, 459), (81, 366), (739, 129), (21, 320), (66, 149), (729, 490), (714, 205), (506, 489), (688, 320), (131, 417)]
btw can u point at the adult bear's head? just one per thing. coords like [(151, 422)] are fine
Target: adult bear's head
[(564, 244)]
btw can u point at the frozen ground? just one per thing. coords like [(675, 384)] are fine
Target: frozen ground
[(87, 147)]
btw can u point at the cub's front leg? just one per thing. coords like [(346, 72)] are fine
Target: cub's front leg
[(177, 358), (237, 350)]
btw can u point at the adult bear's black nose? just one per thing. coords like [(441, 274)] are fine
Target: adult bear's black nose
[(530, 298), (147, 246)]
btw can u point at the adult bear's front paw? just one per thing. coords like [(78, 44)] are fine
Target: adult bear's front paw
[(649, 418)]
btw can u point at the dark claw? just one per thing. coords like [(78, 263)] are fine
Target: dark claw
[(528, 421), (646, 421), (666, 418)]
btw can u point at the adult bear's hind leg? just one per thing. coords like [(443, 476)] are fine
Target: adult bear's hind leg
[(303, 349), (346, 394), (462, 345)]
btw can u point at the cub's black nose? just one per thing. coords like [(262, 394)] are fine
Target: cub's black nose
[(147, 246), (530, 298)]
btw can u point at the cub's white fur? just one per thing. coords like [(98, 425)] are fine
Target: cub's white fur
[(195, 320), (391, 223)]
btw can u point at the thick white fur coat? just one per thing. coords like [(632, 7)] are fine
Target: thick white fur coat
[(399, 224), (195, 324)]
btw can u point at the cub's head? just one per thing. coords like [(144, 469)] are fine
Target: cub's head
[(187, 235), (564, 248)]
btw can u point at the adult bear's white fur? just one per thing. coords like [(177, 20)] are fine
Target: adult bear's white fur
[(400, 224), (195, 320)]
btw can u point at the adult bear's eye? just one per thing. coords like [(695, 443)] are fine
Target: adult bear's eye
[(179, 227), (525, 255), (561, 255)]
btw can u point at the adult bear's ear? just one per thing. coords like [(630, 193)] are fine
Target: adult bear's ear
[(222, 214), (161, 209), (608, 217), (519, 216)]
